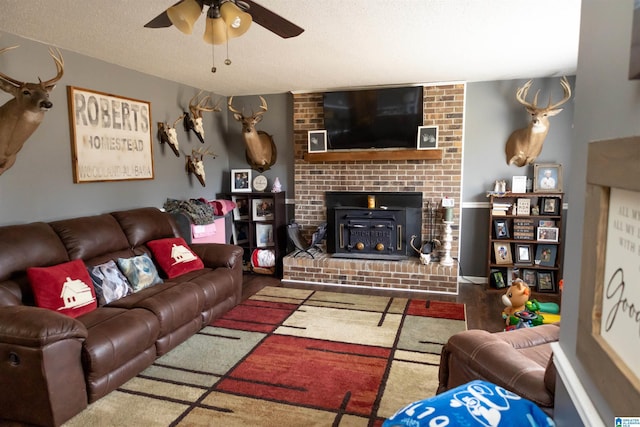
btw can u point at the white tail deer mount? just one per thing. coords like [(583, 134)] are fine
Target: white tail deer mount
[(193, 120), (195, 164), (169, 135), (21, 116), (261, 152), (524, 145)]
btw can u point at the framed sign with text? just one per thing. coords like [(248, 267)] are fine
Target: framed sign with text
[(608, 335), (111, 137)]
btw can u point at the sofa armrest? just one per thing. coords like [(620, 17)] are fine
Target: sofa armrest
[(478, 354), (37, 327), (215, 255)]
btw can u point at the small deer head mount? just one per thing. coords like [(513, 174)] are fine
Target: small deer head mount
[(195, 165), (169, 135), (193, 119), (524, 145), (21, 116)]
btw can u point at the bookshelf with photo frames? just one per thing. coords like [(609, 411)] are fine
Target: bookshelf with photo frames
[(259, 223), (526, 240)]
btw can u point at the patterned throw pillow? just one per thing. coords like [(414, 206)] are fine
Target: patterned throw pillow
[(66, 288), (140, 271), (174, 256), (109, 282)]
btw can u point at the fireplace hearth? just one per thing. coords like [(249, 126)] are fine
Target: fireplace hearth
[(381, 232)]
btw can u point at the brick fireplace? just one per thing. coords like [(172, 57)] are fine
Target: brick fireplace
[(379, 172)]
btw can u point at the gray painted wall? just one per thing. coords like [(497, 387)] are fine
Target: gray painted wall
[(608, 106)]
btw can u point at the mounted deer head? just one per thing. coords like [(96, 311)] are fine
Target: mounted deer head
[(524, 145), (21, 116), (193, 120), (169, 135), (195, 165), (261, 152)]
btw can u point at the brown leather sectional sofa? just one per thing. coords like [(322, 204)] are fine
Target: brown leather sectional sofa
[(52, 365), (520, 361)]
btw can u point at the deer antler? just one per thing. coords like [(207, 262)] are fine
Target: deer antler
[(59, 67), (202, 153), (263, 107), (196, 105), (231, 108), (567, 94)]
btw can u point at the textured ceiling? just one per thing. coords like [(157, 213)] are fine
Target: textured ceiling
[(346, 43)]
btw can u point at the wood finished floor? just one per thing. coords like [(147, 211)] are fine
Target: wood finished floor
[(483, 306)]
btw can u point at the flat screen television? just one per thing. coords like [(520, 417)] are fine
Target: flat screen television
[(373, 118)]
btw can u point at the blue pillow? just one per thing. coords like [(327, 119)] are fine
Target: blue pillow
[(140, 271), (477, 403), (109, 282)]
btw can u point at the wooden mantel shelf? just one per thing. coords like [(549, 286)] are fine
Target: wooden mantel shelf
[(338, 156)]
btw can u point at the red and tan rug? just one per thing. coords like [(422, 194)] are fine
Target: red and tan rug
[(291, 357)]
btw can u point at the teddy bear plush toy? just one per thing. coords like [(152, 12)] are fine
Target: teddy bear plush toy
[(515, 299)]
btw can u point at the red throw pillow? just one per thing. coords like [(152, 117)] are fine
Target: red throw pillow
[(174, 256), (66, 288)]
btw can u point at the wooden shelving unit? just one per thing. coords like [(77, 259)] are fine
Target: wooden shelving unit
[(527, 243)]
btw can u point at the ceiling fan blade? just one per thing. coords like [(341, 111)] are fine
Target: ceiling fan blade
[(272, 22), (162, 20)]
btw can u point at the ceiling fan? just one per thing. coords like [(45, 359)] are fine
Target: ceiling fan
[(262, 16)]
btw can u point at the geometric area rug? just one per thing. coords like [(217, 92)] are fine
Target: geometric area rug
[(291, 357)]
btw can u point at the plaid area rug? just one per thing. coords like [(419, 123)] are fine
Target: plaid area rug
[(291, 357)]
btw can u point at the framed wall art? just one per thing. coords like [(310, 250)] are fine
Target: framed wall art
[(317, 141), (547, 178), (427, 137), (262, 209), (607, 339), (240, 180), (111, 137)]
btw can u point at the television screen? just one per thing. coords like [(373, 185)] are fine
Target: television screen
[(376, 118)]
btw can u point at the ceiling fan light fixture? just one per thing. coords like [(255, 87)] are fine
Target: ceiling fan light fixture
[(237, 20), (215, 31), (184, 15)]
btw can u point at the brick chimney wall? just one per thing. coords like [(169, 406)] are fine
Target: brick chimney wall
[(443, 105)]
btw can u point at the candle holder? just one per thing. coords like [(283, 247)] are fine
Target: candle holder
[(446, 260)]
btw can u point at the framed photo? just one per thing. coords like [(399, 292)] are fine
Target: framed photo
[(264, 235), (546, 223), (547, 177), (240, 233), (497, 279), (103, 149), (547, 234), (546, 255), (550, 206), (523, 254), (501, 228), (502, 253), (241, 211), (519, 184), (317, 141), (606, 343), (523, 207), (545, 281), (427, 137), (240, 180), (530, 278), (262, 209)]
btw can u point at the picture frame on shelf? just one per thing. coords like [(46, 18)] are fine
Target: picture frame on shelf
[(550, 206), (545, 281), (523, 254), (497, 279), (427, 137), (262, 209), (317, 141), (240, 180), (240, 232), (530, 278), (241, 210), (501, 228), (547, 234), (264, 235), (502, 253), (519, 184), (547, 178), (546, 223), (546, 255), (523, 207)]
